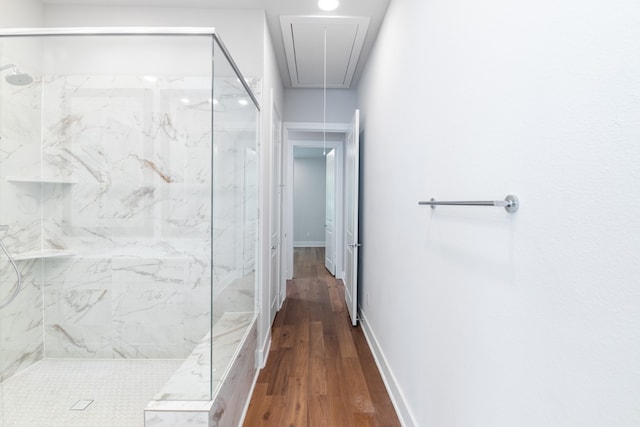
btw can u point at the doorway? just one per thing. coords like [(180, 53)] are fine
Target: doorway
[(314, 202), (309, 136), (342, 140)]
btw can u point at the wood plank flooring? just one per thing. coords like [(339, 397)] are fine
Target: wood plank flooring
[(320, 371)]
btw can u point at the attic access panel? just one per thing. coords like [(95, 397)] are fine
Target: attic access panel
[(304, 44)]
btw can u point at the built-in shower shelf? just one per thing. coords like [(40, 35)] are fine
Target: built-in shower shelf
[(46, 253), (41, 180)]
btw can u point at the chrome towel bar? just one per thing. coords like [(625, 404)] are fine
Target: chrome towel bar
[(510, 203)]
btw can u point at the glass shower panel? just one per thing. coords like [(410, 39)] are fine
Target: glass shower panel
[(106, 185), (127, 120), (235, 211)]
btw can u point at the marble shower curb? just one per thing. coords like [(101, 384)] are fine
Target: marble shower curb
[(230, 394)]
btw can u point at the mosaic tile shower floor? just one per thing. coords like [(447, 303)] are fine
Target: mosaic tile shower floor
[(43, 395)]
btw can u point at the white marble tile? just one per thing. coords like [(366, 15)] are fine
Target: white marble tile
[(78, 273), (21, 341), (78, 341), (234, 392), (148, 289), (144, 269), (20, 129), (238, 296), (173, 419), (197, 315), (229, 332), (186, 209), (78, 307), (231, 392), (21, 210), (192, 381), (179, 405)]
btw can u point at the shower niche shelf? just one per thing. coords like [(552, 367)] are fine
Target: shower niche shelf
[(45, 253), (26, 180)]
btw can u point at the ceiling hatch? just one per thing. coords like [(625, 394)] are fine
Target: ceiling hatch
[(304, 44)]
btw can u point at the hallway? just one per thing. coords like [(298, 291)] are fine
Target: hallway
[(320, 370)]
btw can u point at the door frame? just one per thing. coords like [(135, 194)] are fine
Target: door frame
[(351, 235), (275, 185), (287, 212)]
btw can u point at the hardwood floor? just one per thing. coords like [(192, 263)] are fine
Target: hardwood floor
[(320, 371)]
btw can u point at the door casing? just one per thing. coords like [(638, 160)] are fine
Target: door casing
[(275, 225), (351, 186)]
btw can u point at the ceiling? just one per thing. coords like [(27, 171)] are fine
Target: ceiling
[(311, 42), (344, 66)]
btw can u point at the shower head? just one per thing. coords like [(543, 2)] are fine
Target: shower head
[(19, 79), (16, 77)]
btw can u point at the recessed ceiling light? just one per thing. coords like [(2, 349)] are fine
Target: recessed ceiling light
[(328, 5), (243, 102)]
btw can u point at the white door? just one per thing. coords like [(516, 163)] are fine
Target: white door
[(352, 169), (276, 203), (330, 213)]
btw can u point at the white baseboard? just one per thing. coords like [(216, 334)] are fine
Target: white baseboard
[(397, 398), (318, 244), (263, 354)]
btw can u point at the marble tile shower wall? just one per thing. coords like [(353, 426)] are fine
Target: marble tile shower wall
[(139, 215), (21, 341)]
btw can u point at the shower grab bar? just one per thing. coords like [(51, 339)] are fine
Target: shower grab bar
[(510, 203), (16, 289)]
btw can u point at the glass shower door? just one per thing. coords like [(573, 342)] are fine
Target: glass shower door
[(235, 212), (105, 183)]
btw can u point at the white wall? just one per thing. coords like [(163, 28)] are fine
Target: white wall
[(306, 105), (20, 13), (309, 200), (486, 318), (271, 85), (240, 30)]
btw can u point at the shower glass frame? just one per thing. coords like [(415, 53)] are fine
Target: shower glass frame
[(206, 32)]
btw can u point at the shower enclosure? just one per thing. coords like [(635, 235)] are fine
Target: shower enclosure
[(128, 206)]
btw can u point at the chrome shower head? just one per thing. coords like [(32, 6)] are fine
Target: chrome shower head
[(16, 77), (19, 79)]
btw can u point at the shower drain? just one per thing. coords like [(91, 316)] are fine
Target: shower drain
[(81, 405)]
